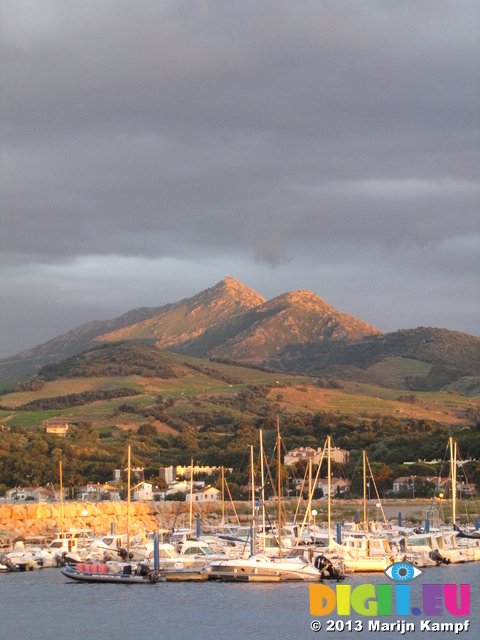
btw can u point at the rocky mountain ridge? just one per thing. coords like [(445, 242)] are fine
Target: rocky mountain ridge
[(295, 331)]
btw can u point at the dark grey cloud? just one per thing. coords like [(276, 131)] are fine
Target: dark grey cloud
[(175, 141)]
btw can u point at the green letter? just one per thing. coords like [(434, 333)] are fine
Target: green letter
[(360, 595)]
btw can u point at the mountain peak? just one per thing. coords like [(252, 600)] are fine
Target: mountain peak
[(301, 299), (234, 288)]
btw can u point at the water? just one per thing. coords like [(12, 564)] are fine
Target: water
[(44, 604)]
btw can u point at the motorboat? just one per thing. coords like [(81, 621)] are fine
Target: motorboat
[(436, 550), (261, 568), (104, 573)]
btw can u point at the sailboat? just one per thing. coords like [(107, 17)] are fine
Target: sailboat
[(261, 568), (116, 572)]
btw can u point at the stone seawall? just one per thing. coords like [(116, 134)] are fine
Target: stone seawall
[(20, 520)]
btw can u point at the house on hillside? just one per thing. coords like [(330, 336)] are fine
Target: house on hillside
[(315, 455), (206, 494), (466, 490), (136, 473), (338, 486), (184, 472), (57, 429), (22, 494), (407, 483), (158, 494), (142, 491), (95, 492)]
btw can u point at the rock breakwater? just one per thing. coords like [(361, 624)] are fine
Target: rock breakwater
[(32, 519)]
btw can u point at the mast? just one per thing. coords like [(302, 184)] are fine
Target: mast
[(328, 489), (253, 499), (310, 470), (279, 491), (61, 494), (191, 493), (453, 466), (364, 493), (223, 501), (263, 490), (128, 504)]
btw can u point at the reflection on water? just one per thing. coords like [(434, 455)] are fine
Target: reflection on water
[(43, 605)]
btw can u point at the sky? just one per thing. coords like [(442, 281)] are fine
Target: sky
[(150, 148)]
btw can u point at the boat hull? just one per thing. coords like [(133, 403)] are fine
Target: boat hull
[(112, 578)]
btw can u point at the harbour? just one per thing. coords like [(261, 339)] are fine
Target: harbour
[(44, 604)]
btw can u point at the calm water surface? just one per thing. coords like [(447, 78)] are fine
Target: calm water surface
[(45, 605)]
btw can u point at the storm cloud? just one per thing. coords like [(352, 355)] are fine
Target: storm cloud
[(150, 148)]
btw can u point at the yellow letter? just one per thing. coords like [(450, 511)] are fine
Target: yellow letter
[(343, 599)]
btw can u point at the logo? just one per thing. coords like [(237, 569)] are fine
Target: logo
[(387, 599)]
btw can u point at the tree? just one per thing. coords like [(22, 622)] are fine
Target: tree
[(147, 430)]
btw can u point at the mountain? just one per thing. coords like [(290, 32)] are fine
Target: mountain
[(446, 356), (296, 331), (185, 322), (232, 321), (295, 318), (176, 323)]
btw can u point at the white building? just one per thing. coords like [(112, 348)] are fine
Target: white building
[(197, 470), (308, 453), (143, 491), (337, 485), (94, 492), (168, 474), (207, 494)]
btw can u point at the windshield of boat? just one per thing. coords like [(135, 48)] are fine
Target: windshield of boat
[(204, 551)]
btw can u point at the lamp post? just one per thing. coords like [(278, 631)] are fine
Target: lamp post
[(378, 505), (314, 513)]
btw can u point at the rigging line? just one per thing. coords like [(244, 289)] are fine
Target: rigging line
[(378, 497), (311, 496), (300, 496), (231, 500), (258, 504), (240, 466), (350, 481), (463, 463), (438, 484), (178, 511)]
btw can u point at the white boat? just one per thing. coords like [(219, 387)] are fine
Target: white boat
[(436, 550), (261, 568), (366, 554), (29, 557)]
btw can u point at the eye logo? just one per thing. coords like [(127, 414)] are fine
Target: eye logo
[(402, 572)]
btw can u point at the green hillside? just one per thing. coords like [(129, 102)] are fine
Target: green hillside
[(171, 408)]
